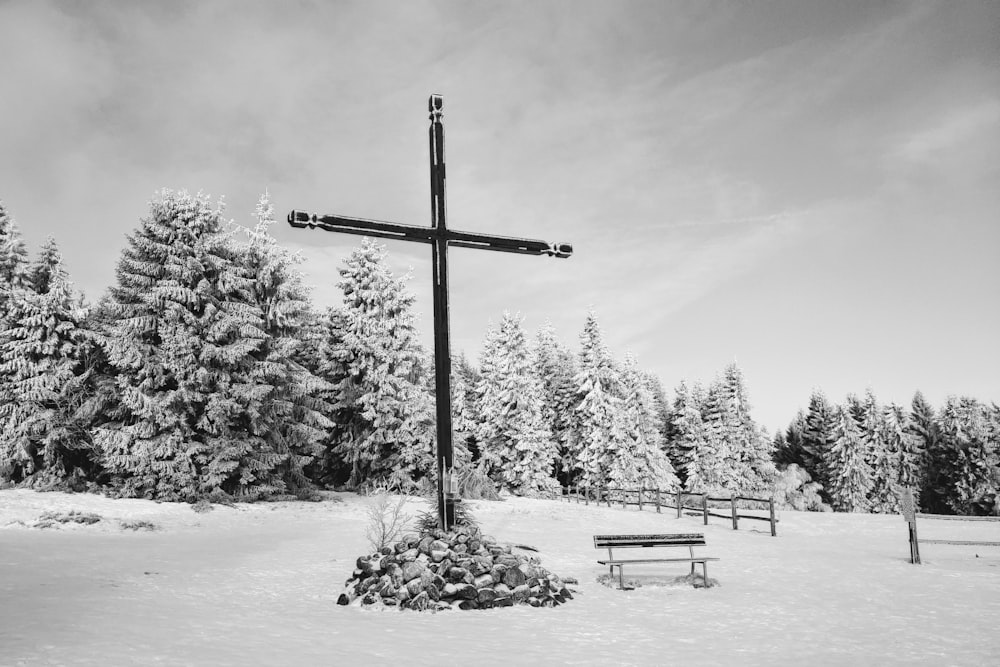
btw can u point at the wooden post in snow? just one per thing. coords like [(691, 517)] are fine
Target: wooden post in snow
[(909, 511)]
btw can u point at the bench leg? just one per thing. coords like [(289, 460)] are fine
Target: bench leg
[(704, 567), (621, 576)]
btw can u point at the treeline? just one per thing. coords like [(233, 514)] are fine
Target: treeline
[(536, 416), (205, 372), (864, 453)]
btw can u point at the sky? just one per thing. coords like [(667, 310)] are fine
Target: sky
[(811, 189)]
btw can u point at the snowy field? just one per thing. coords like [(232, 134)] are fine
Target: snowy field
[(256, 584)]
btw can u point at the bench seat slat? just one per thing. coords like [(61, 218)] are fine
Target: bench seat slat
[(644, 538), (632, 536), (655, 540), (657, 560), (604, 541)]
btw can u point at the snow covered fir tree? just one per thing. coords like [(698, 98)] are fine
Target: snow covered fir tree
[(556, 366), (515, 444), (290, 411), (205, 371), (732, 454), (196, 336), (43, 375), (382, 411), (642, 460), (600, 432)]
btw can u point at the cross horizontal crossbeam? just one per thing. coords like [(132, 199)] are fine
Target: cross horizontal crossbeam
[(454, 238)]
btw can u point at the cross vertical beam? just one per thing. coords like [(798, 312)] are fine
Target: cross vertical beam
[(445, 458), (439, 237)]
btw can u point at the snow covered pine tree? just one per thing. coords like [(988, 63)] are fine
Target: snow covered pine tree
[(384, 418), (13, 261), (184, 344), (288, 414), (514, 440), (555, 367), (850, 475), (601, 428), (42, 379), (642, 460)]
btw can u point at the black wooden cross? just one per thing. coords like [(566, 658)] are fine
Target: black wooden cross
[(440, 237)]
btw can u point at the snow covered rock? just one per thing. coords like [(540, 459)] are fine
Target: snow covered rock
[(460, 569)]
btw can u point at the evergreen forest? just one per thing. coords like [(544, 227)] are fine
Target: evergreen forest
[(205, 372)]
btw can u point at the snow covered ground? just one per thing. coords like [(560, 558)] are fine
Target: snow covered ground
[(256, 584)]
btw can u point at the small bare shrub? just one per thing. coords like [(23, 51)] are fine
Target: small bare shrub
[(202, 506), (386, 520), (396, 483), (137, 525), (50, 519)]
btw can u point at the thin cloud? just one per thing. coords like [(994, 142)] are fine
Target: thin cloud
[(768, 219), (957, 127)]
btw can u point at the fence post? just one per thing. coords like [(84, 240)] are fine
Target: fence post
[(736, 525), (657, 500), (774, 532), (909, 511), (679, 506), (704, 506), (640, 498), (624, 493)]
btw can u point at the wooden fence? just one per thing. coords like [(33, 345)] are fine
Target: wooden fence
[(676, 500), (907, 510)]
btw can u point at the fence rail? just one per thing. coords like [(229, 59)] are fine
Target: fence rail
[(907, 507), (953, 517), (658, 499)]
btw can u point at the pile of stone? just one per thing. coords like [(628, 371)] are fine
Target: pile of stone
[(458, 569)]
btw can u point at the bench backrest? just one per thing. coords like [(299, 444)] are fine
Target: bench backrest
[(624, 541)]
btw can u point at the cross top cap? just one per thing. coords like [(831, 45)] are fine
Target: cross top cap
[(435, 103), (561, 250)]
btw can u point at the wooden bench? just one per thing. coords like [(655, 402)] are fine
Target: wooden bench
[(689, 540)]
